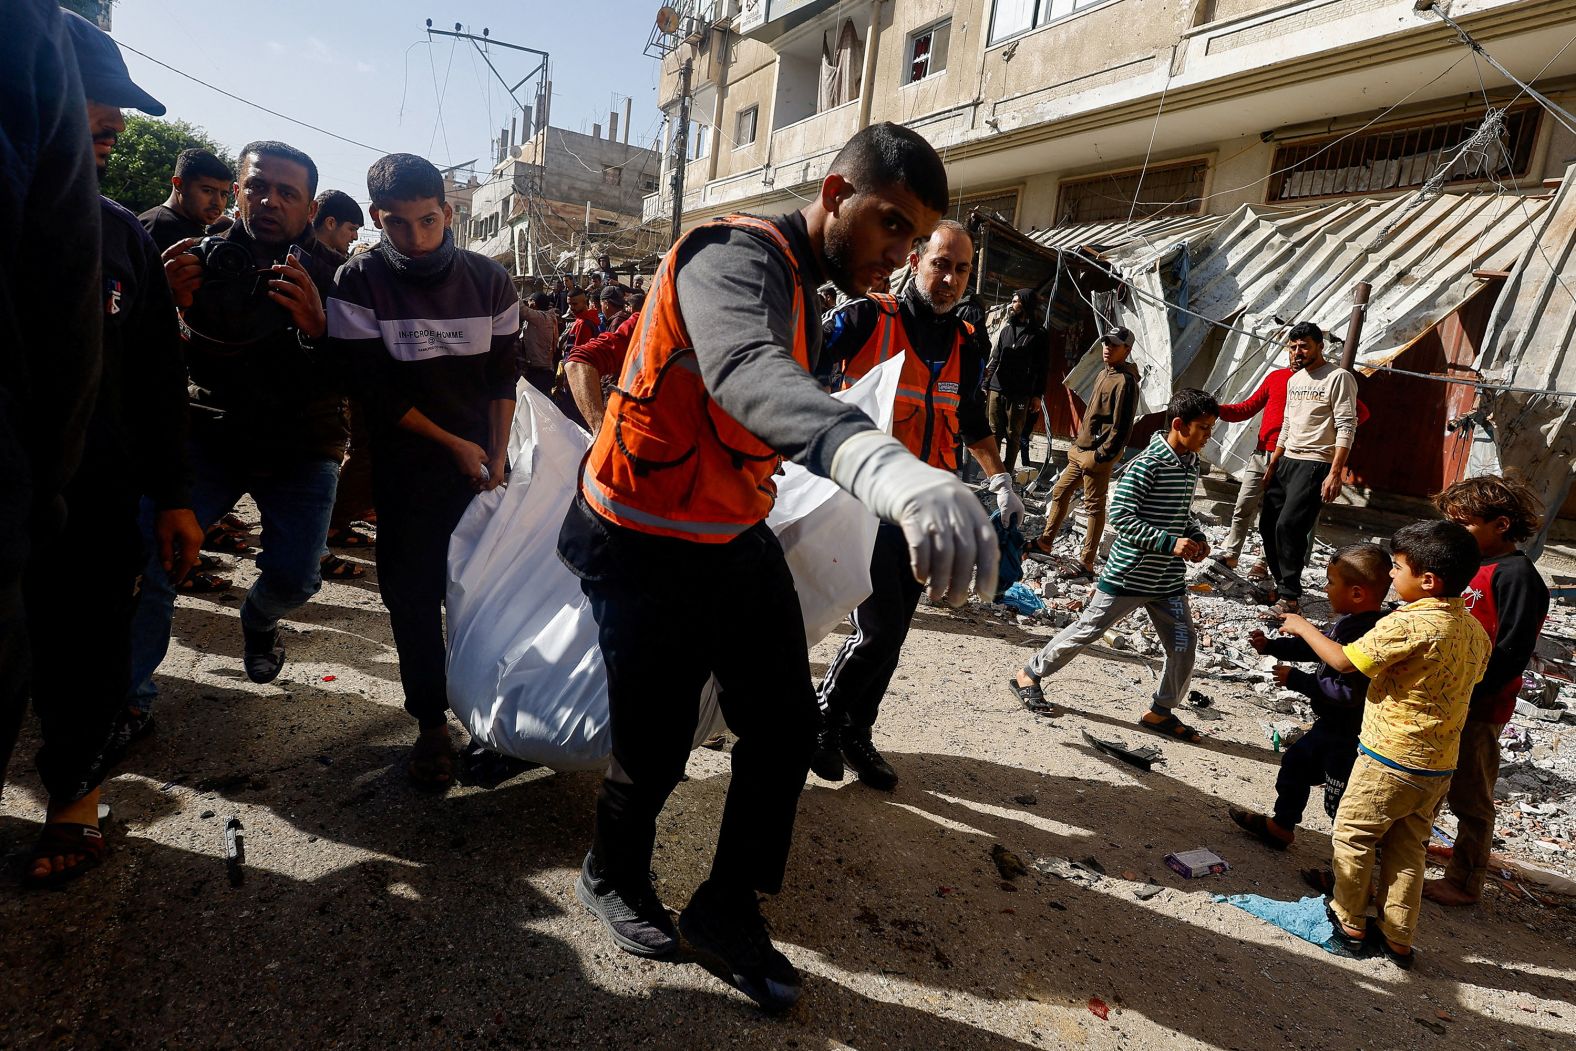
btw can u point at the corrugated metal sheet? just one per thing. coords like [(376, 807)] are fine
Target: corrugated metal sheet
[(1249, 267), (1531, 343)]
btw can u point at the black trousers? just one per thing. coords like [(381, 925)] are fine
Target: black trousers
[(80, 592), (858, 676), (1320, 753), (666, 625), (1292, 502), (417, 512)]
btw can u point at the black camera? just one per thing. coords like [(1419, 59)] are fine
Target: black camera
[(232, 306)]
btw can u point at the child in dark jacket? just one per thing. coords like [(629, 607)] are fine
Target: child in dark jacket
[(1510, 600), (1358, 579)]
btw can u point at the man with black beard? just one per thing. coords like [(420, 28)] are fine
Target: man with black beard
[(267, 417), (79, 608), (669, 527), (938, 402)]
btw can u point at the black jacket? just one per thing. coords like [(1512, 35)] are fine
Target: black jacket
[(1021, 360), (137, 437), (51, 306), (280, 400)]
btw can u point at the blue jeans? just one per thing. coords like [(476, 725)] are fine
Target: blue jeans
[(296, 501)]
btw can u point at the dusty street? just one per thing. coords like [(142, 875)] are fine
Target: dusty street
[(374, 916)]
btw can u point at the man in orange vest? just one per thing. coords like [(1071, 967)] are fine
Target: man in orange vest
[(938, 401), (685, 579)]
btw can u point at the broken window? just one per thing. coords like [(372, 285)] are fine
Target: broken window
[(927, 51), (1400, 158), (1167, 189), (842, 60)]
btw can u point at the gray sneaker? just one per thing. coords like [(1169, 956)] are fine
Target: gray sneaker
[(634, 917)]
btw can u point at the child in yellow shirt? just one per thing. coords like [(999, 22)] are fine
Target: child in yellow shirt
[(1423, 661)]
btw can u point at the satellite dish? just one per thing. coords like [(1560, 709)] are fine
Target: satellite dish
[(667, 20)]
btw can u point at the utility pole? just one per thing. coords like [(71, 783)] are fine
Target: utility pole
[(540, 72), (1354, 327), (681, 146)]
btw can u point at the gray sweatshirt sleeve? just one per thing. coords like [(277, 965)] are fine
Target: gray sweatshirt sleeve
[(736, 296)]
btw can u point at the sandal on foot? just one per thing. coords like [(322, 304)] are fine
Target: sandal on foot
[(226, 542), (1038, 551), (1378, 943), (1357, 948), (198, 582), (1320, 879), (1171, 726), (1031, 697), (335, 568), (206, 561), (1076, 575), (431, 762), (348, 537), (1257, 826), (232, 523), (64, 839)]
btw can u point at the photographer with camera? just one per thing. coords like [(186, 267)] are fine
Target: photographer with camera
[(267, 413)]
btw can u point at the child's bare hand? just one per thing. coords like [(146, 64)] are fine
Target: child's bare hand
[(1295, 624), (1259, 641), (1281, 673)]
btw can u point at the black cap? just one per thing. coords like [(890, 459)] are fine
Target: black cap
[(104, 76), (1118, 336), (612, 294)]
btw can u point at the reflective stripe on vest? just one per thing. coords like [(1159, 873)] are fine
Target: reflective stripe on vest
[(668, 460)]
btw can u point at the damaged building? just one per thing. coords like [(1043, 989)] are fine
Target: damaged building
[(1207, 172)]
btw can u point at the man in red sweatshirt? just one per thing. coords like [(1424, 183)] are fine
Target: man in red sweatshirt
[(1270, 399)]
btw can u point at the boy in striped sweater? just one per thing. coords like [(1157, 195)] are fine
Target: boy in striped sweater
[(1155, 532)]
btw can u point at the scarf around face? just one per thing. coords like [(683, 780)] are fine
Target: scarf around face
[(425, 269)]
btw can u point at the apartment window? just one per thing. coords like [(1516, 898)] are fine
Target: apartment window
[(1011, 17), (744, 126), (1402, 158), (699, 140), (1167, 189), (927, 51), (648, 183)]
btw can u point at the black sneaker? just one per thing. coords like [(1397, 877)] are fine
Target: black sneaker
[(868, 764), (636, 921), (827, 759), (263, 656), (733, 932)]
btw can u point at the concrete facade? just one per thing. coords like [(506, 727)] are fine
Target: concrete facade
[(1026, 115)]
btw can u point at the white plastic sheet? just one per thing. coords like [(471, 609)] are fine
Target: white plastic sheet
[(525, 671)]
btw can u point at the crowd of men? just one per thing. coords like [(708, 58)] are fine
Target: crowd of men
[(208, 354)]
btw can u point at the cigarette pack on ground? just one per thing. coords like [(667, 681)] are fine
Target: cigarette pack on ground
[(1192, 864)]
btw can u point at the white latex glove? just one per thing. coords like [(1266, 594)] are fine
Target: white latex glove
[(950, 538), (1007, 501)]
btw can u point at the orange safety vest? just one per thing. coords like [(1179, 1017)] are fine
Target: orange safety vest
[(668, 460), (925, 413)]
